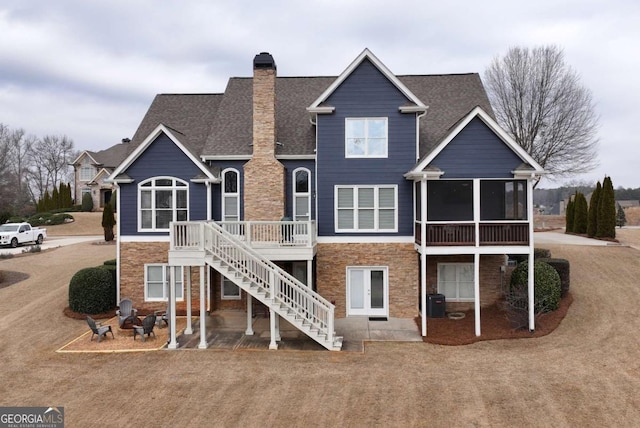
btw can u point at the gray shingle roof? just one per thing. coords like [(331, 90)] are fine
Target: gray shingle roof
[(111, 157), (220, 124)]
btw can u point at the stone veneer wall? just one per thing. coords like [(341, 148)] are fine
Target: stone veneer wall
[(133, 257), (491, 278), (401, 259)]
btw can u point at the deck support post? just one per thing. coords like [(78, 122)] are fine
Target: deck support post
[(272, 324), (173, 344), (203, 312), (249, 330), (189, 328)]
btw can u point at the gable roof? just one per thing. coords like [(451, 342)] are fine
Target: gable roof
[(529, 165)]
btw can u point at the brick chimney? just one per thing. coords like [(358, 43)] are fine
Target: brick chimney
[(264, 181)]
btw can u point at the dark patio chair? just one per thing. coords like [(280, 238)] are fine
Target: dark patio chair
[(126, 310), (146, 328), (98, 329), (163, 316)]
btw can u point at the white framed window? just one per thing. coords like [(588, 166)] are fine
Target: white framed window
[(366, 208), (228, 290), (301, 194), (366, 137), (162, 200), (456, 281), (157, 277), (87, 173), (230, 195)]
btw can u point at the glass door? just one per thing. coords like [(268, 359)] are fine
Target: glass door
[(367, 292)]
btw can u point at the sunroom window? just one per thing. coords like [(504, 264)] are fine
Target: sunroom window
[(503, 200)]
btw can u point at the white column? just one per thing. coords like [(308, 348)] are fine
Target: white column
[(530, 284), (173, 344), (277, 320), (203, 312), (476, 291), (272, 324), (208, 288), (189, 329), (423, 253), (310, 274), (249, 330), (118, 241), (476, 210)]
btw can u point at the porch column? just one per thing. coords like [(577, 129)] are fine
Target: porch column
[(173, 344), (203, 312), (310, 274), (208, 288), (249, 330), (532, 320), (423, 254), (476, 291), (272, 324), (189, 329)]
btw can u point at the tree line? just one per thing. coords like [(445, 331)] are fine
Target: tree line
[(33, 167), (598, 218)]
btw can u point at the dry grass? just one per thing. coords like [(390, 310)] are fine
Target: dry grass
[(585, 373), (84, 224)]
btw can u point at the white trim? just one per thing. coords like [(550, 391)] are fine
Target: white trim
[(366, 240), (160, 129), (493, 125), (456, 265), (84, 153), (295, 194), (296, 157), (224, 157), (321, 110), (376, 208), (366, 54), (366, 138), (367, 310), (229, 297), (144, 238)]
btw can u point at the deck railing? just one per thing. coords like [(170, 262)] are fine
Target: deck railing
[(459, 234)]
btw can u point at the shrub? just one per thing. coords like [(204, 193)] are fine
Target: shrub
[(538, 253), (546, 286), (49, 219), (111, 267), (110, 262), (561, 266), (92, 291), (87, 202)]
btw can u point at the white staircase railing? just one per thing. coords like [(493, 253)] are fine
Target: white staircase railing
[(278, 290)]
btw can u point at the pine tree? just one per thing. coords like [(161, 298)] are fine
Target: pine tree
[(569, 216), (621, 217), (55, 199), (592, 223), (607, 211), (46, 202), (580, 214), (108, 221)]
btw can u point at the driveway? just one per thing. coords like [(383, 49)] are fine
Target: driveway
[(562, 238), (586, 373), (53, 242)]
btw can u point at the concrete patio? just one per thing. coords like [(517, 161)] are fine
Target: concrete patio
[(226, 330)]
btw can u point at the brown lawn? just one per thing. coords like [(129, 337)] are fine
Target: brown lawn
[(585, 373)]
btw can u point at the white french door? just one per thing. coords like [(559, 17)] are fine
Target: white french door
[(367, 291)]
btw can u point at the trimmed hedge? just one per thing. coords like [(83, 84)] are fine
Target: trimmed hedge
[(561, 266), (48, 219), (546, 285), (92, 291), (538, 253)]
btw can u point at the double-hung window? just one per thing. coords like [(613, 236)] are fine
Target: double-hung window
[(301, 194), (366, 137), (230, 195), (456, 281), (229, 290), (366, 209), (157, 278), (161, 201), (87, 173)]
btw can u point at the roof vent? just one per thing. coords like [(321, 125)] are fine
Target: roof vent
[(264, 60)]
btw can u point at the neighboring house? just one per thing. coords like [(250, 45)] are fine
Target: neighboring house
[(91, 169), (323, 197)]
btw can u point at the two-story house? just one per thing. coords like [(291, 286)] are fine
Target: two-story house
[(323, 197), (92, 169)]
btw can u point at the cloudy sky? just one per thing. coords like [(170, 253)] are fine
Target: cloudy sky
[(90, 69)]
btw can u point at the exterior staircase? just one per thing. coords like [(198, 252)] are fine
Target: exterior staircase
[(263, 280)]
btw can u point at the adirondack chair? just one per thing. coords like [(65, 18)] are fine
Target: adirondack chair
[(98, 329), (163, 316), (126, 310), (146, 328)]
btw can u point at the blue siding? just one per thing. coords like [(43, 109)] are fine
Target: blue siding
[(365, 93), (477, 152), (161, 158), (216, 189), (290, 166)]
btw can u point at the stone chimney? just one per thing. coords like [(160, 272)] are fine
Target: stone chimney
[(264, 181)]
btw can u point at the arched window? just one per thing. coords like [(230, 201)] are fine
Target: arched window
[(162, 200), (301, 194), (230, 195)]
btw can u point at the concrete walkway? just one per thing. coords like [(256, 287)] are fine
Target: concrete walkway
[(226, 330), (54, 242), (561, 238)]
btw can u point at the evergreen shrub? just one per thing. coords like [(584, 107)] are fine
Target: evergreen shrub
[(92, 291)]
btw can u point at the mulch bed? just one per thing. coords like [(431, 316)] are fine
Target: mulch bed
[(494, 325), (8, 277)]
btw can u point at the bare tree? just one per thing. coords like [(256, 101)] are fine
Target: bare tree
[(540, 101)]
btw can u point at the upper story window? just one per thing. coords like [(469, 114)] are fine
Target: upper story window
[(366, 137), (87, 173), (162, 200), (301, 194), (366, 209), (503, 200), (230, 195)]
